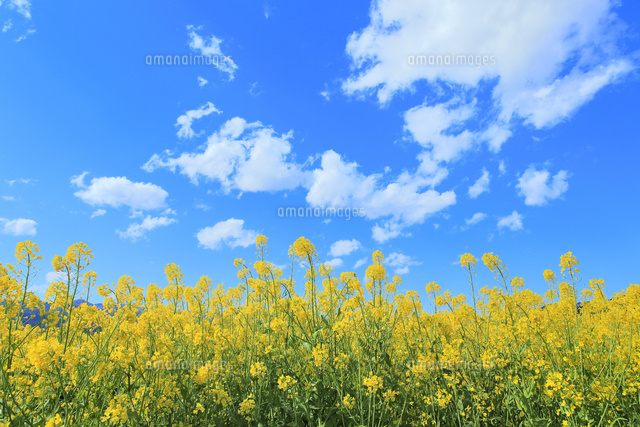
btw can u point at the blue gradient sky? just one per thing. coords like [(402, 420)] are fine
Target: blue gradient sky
[(552, 126)]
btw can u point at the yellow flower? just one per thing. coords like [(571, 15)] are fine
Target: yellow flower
[(261, 267), (376, 272), (320, 354), (303, 249), (261, 240), (53, 421), (247, 406), (258, 369), (549, 275), (568, 260), (57, 263), (468, 260), (492, 262), (284, 382), (432, 287), (390, 395), (373, 383), (348, 401)]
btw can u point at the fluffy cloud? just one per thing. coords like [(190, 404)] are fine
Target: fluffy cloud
[(513, 221), (434, 128), (98, 212), (119, 191), (202, 81), (186, 120), (502, 167), (18, 227), (335, 263), (252, 157), (138, 230), (481, 185), (400, 262), (476, 218), (211, 49), (540, 61), (405, 201), (230, 232), (344, 247), (54, 276), (23, 7), (387, 231), (245, 156), (537, 188)]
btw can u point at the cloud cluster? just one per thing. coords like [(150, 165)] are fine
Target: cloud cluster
[(550, 56), (240, 155), (186, 120), (119, 191), (230, 232), (137, 230), (538, 187), (344, 247), (513, 222), (210, 47), (400, 262), (18, 227)]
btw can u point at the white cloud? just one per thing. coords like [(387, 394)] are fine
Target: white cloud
[(400, 262), (481, 185), (118, 191), (7, 25), (513, 221), (138, 230), (253, 91), (202, 206), (360, 263), (98, 212), (20, 181), (78, 180), (335, 263), (245, 156), (476, 218), (546, 106), (25, 35), (18, 227), (202, 81), (433, 128), (502, 167), (8, 198), (389, 230), (54, 276), (545, 59), (405, 201), (535, 187), (344, 247), (211, 49), (230, 232), (23, 7), (186, 120)]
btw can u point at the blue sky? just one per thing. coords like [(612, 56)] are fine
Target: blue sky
[(528, 149)]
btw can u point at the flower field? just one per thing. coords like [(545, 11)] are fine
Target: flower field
[(344, 353)]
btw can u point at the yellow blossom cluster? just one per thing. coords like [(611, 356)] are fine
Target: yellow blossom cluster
[(340, 353)]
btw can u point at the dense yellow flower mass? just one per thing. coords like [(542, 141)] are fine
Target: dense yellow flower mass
[(341, 353)]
